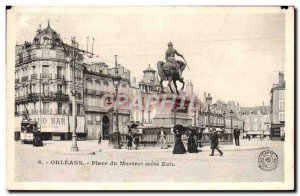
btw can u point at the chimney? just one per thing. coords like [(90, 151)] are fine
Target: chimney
[(281, 78)]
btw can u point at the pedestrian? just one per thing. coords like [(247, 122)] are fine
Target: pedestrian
[(162, 138), (214, 139), (192, 146), (248, 136), (129, 140), (178, 146), (37, 137), (99, 138), (245, 135), (236, 134), (136, 139), (199, 137)]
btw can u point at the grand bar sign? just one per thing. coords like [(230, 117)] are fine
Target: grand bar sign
[(52, 123)]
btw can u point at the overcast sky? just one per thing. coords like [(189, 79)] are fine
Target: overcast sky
[(234, 56)]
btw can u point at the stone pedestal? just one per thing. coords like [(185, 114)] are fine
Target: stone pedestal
[(115, 140)]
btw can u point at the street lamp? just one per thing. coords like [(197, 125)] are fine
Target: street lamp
[(195, 116), (74, 146), (208, 101), (199, 114), (231, 115), (224, 116), (116, 82)]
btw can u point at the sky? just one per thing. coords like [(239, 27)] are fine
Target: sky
[(232, 54)]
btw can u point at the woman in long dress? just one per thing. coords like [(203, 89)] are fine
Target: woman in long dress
[(178, 147), (192, 146), (37, 137), (129, 140)]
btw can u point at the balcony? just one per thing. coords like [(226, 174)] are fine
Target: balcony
[(95, 109), (89, 91), (34, 97), (33, 76), (125, 111), (46, 76), (24, 79), (97, 93), (46, 111), (59, 77), (34, 112)]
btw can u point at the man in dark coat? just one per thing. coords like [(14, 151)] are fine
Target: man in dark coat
[(214, 139), (236, 134), (199, 137)]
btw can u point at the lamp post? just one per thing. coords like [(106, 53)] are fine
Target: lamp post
[(231, 116), (116, 83), (208, 101), (74, 146), (224, 117), (195, 116), (199, 114)]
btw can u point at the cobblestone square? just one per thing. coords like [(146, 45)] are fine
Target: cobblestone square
[(53, 162)]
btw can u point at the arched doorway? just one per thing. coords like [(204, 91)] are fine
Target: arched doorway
[(105, 127)]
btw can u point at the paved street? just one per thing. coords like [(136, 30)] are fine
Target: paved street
[(150, 164)]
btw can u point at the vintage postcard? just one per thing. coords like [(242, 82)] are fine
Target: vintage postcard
[(150, 98)]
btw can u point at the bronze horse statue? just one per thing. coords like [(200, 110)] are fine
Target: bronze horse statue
[(167, 72)]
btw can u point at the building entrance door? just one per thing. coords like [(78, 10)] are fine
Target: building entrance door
[(105, 127)]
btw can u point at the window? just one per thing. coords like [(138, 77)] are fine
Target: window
[(33, 70), (281, 94), (98, 119), (89, 119), (78, 109), (59, 73), (94, 118), (89, 83), (20, 58), (78, 73), (45, 69), (281, 104), (70, 109), (281, 116), (45, 89), (33, 88), (59, 88), (59, 108), (46, 108)]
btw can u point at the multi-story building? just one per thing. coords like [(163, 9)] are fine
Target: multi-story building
[(256, 120), (98, 85), (44, 82), (43, 78), (277, 103)]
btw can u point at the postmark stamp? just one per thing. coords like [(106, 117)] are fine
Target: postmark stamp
[(268, 160)]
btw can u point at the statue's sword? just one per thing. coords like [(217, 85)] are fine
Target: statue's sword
[(186, 63)]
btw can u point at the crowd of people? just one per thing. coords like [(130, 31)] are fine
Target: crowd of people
[(133, 139)]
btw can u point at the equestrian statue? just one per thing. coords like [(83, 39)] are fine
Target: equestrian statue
[(172, 69)]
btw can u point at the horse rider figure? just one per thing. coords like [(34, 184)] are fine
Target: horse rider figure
[(170, 57)]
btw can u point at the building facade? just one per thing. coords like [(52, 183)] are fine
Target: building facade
[(277, 104), (43, 83), (257, 120), (98, 89)]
